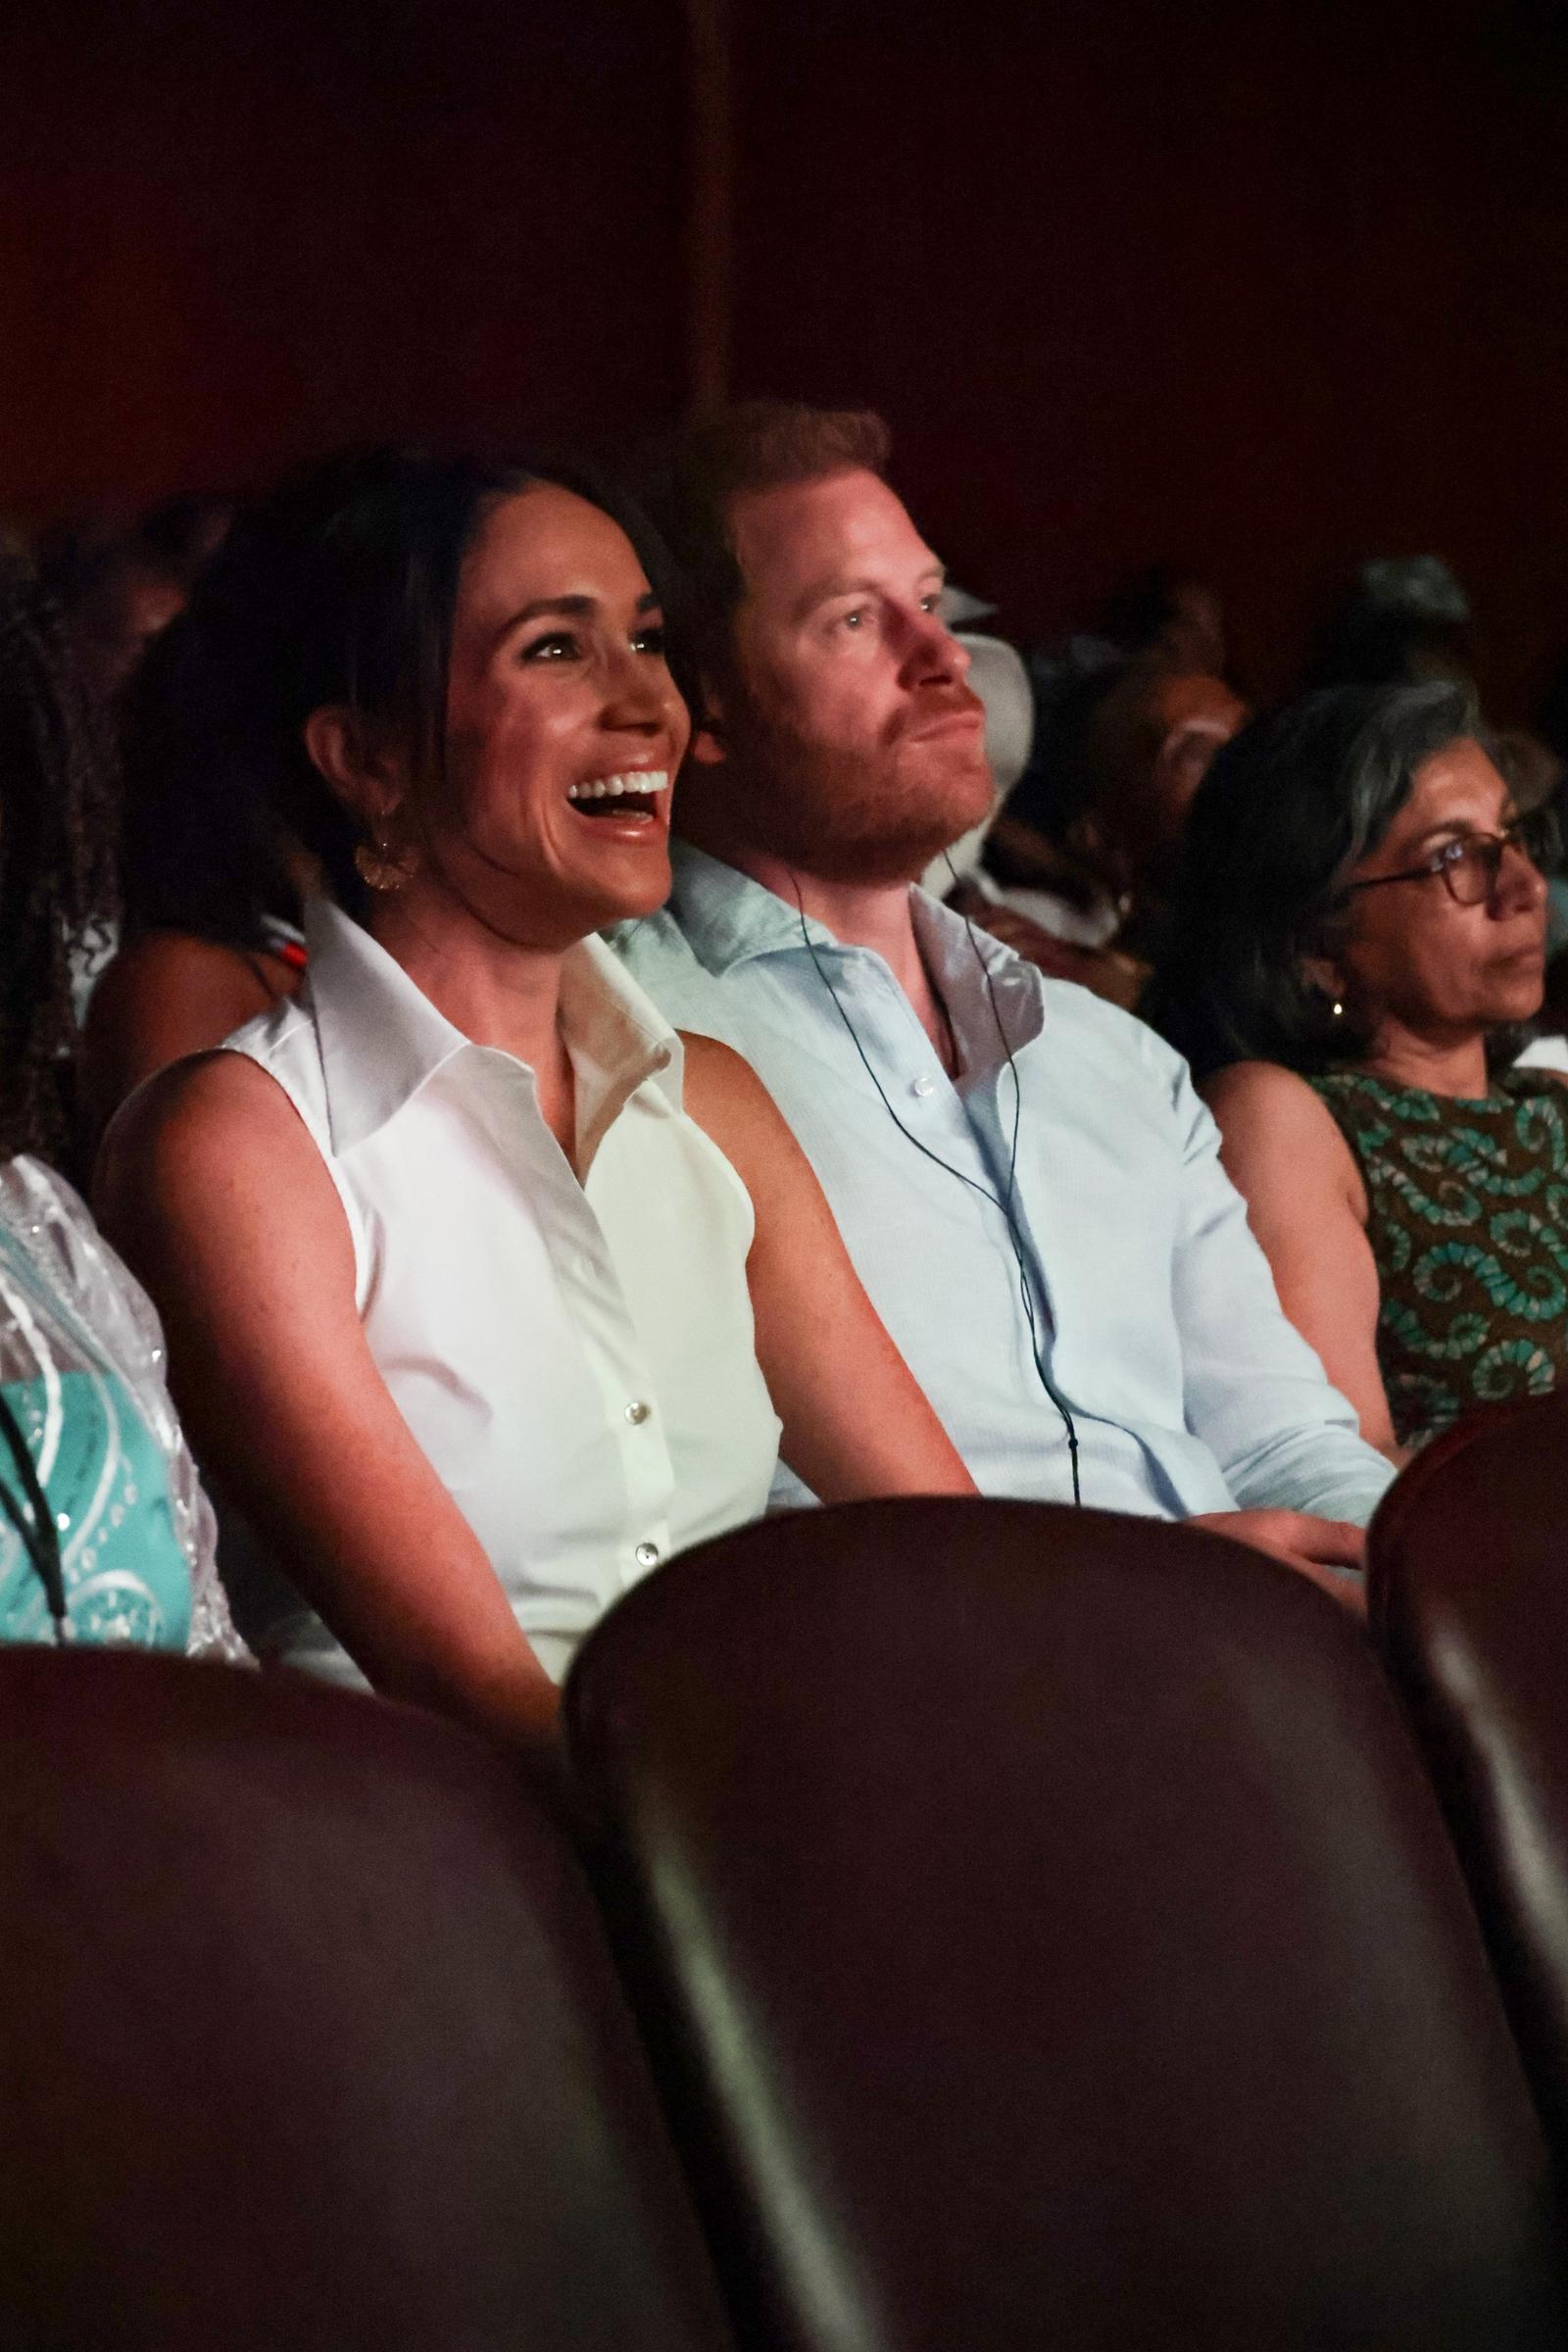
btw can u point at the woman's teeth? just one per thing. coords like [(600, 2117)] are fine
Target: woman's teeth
[(639, 784)]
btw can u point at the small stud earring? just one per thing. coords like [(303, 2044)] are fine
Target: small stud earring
[(1338, 1009)]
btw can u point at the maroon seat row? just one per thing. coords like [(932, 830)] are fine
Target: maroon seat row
[(965, 1924)]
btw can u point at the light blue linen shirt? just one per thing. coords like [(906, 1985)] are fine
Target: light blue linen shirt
[(1155, 1308)]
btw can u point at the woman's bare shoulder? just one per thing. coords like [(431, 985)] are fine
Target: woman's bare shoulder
[(194, 1119), (1261, 1089), (720, 1085), (158, 963), (169, 993), (1274, 1127), (735, 1111)]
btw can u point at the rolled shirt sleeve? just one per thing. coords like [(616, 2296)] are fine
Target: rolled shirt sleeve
[(1256, 1393)]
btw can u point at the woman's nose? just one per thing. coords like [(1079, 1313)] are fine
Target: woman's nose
[(1520, 880), (640, 694)]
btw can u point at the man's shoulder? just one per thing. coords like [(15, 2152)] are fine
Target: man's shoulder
[(657, 953), (1081, 1013), (1115, 1045)]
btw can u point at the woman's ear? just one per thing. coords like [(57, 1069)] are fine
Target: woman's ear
[(1322, 973), (710, 744), (369, 784)]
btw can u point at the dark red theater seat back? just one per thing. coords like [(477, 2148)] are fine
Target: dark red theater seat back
[(1054, 1942), (1470, 1606), (309, 2039)]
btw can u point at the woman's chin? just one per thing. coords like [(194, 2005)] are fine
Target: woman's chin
[(643, 894), (1517, 1001)]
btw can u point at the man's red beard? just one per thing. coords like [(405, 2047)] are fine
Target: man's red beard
[(834, 814)]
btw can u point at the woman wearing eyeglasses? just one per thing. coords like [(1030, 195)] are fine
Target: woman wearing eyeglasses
[(1360, 926)]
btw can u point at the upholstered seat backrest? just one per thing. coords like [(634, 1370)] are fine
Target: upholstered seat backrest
[(1049, 1937), (309, 2039), (1470, 1609)]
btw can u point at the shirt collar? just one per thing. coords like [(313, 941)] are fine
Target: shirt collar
[(382, 1039), (982, 981), (728, 919)]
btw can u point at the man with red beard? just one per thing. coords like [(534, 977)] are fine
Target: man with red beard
[(1026, 1182)]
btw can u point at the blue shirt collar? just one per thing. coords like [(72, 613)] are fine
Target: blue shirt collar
[(727, 919)]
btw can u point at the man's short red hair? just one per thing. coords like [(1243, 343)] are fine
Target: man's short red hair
[(749, 445)]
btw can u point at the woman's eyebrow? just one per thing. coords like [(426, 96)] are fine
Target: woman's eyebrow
[(564, 608), (1452, 826)]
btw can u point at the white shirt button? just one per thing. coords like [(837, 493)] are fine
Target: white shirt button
[(637, 1412), (923, 1087), (645, 1555)]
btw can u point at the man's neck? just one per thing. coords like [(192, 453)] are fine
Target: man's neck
[(861, 915)]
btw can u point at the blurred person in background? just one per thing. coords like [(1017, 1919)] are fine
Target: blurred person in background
[(1166, 614), (1402, 618), (213, 890), (1085, 846), (1359, 927), (122, 587), (105, 1534)]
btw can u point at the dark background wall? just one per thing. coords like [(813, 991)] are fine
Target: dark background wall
[(1259, 288), (236, 231)]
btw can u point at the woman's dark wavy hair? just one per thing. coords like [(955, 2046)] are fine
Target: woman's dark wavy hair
[(1290, 806), (339, 589), (58, 843)]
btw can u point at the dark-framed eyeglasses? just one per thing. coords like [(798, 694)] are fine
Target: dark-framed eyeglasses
[(1470, 867)]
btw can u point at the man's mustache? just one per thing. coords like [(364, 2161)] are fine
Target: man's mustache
[(947, 702)]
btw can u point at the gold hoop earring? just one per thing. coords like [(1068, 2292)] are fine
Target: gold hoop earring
[(383, 863)]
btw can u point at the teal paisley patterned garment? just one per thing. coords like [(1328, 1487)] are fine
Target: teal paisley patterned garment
[(1468, 1222), (90, 1436), (125, 1577)]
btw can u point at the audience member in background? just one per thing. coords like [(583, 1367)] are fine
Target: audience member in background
[(1167, 615), (1361, 919), (121, 588), (1087, 844), (1403, 618), (1406, 619), (214, 892), (1026, 1183), (482, 1295), (105, 1536)]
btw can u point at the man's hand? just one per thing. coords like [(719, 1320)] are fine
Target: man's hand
[(1314, 1548)]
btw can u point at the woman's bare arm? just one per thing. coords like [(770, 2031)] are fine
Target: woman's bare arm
[(214, 1190), (855, 1422), (165, 996), (1306, 1205)]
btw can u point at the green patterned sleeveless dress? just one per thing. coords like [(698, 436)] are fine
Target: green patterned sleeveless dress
[(1468, 1222)]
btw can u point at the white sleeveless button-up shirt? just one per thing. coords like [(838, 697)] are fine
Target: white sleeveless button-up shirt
[(576, 1358)]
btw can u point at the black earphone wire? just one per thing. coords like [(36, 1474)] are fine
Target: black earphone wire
[(1004, 1204), (40, 1539)]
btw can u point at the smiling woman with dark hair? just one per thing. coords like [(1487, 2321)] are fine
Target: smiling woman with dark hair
[(485, 1291), (1362, 921)]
